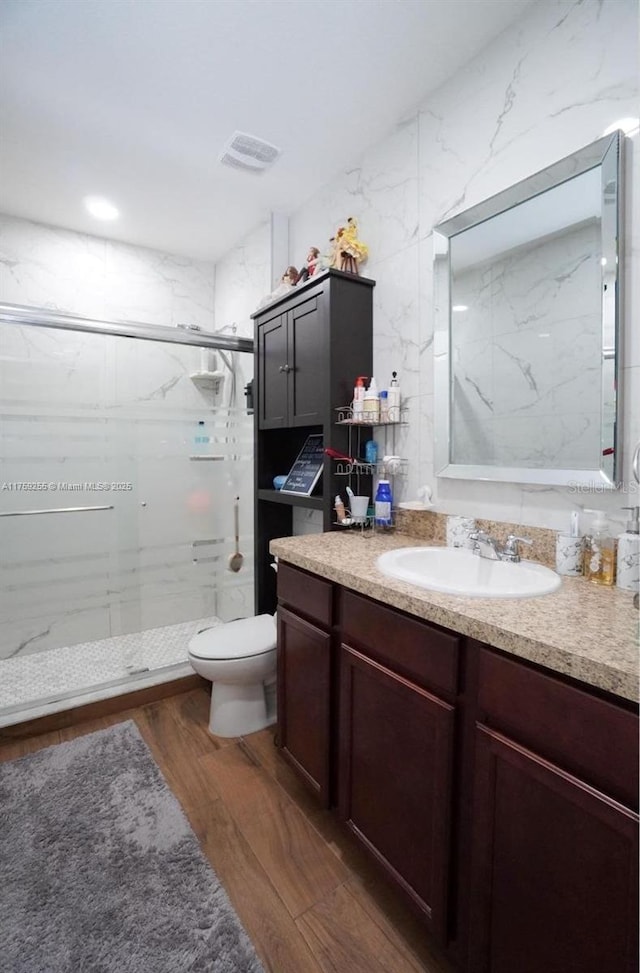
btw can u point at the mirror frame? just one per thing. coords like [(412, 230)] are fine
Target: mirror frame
[(606, 152)]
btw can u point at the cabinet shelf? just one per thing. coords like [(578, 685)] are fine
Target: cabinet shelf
[(361, 423), (346, 469), (345, 418), (291, 499)]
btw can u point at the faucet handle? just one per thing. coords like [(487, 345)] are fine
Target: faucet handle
[(477, 535), (513, 541)]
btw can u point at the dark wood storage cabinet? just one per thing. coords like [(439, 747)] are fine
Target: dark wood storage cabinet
[(310, 345), (500, 798), (293, 364)]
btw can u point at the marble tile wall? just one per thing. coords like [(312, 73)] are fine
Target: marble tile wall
[(81, 409), (46, 266), (527, 391), (544, 88), (242, 278)]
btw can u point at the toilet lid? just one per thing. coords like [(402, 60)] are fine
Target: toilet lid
[(241, 639)]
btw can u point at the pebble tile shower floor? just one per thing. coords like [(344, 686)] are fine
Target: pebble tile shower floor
[(70, 671)]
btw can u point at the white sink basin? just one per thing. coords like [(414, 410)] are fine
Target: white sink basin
[(457, 571)]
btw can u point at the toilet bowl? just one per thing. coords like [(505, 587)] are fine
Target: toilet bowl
[(240, 660)]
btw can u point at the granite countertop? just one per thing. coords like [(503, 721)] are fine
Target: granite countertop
[(582, 630)]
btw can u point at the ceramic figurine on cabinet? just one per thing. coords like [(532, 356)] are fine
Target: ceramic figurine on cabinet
[(311, 266), (290, 277), (287, 282), (348, 251)]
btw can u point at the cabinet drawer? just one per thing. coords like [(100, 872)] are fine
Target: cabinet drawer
[(421, 652), (307, 594), (589, 736)]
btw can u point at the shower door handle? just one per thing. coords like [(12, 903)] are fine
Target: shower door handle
[(52, 510)]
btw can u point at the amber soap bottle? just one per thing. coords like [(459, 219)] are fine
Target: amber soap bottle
[(599, 564)]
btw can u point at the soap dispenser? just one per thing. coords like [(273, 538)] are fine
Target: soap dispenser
[(628, 575), (599, 551)]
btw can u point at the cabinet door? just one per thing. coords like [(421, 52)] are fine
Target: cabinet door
[(554, 873), (309, 362), (272, 373), (395, 772), (304, 670)]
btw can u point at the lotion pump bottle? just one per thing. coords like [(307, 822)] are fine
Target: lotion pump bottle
[(599, 551), (628, 574), (372, 404), (393, 398)]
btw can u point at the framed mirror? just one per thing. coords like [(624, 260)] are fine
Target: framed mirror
[(527, 316)]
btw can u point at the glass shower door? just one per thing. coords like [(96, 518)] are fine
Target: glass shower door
[(115, 529)]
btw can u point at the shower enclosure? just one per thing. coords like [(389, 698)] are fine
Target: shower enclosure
[(123, 448)]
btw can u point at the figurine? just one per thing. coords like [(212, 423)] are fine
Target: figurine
[(290, 276), (311, 265), (352, 251), (287, 282)]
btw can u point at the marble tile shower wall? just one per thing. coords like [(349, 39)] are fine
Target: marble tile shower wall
[(90, 408), (242, 279), (50, 267), (547, 86)]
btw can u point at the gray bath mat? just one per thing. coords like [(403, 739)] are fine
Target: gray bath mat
[(100, 871)]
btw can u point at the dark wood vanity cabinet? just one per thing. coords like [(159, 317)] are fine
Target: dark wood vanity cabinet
[(554, 873), (305, 617), (395, 749), (501, 799)]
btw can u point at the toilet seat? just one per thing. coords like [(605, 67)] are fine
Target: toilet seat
[(245, 638)]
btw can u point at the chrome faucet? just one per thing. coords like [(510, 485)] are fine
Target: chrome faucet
[(489, 547)]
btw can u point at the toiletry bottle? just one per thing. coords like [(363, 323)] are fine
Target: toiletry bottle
[(628, 574), (358, 398), (382, 504), (339, 508), (599, 564), (393, 398), (371, 451), (201, 440), (372, 404), (384, 405)]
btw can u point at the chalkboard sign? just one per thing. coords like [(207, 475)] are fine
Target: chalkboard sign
[(306, 470)]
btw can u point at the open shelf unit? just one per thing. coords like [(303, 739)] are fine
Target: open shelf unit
[(310, 346), (352, 473)]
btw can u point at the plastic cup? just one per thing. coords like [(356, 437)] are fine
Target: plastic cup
[(359, 507)]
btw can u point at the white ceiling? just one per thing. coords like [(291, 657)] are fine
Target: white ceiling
[(134, 99)]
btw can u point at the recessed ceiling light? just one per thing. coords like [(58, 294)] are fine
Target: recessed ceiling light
[(630, 126), (101, 208), (460, 307)]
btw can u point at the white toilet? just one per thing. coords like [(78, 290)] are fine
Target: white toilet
[(240, 660)]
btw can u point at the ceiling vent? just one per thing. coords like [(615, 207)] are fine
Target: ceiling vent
[(249, 153)]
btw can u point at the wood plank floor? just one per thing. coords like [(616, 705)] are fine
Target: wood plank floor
[(308, 896)]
